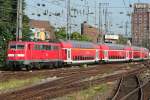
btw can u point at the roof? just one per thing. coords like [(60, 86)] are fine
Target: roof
[(43, 25), (39, 24)]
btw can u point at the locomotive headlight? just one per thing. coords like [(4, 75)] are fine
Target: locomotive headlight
[(16, 55), (19, 55), (11, 55)]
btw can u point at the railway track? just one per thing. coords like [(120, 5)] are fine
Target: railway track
[(80, 79), (130, 88), (62, 72)]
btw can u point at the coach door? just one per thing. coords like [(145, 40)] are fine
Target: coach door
[(105, 54), (127, 54), (69, 55), (97, 55)]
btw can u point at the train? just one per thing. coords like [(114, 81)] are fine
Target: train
[(23, 54)]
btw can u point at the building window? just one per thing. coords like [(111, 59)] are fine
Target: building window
[(43, 5), (38, 4), (38, 15)]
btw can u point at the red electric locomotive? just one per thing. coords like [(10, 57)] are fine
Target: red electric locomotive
[(29, 54)]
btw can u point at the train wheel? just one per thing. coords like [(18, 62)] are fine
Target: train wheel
[(56, 65), (28, 67), (60, 65), (38, 66), (15, 68)]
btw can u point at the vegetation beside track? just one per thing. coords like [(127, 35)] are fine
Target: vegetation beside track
[(18, 83), (92, 92)]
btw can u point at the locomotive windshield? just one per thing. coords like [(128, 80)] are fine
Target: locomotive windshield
[(16, 46)]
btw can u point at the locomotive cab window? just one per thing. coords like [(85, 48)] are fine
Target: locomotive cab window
[(16, 46), (12, 47)]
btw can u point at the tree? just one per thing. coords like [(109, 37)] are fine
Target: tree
[(85, 38), (76, 36), (122, 40), (61, 33), (27, 33), (8, 14)]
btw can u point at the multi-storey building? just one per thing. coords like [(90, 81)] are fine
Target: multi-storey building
[(90, 31), (141, 25)]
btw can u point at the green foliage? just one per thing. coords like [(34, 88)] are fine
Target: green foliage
[(76, 36), (61, 33), (88, 94), (26, 32), (122, 40), (85, 38), (18, 83)]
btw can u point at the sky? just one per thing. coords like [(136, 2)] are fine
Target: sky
[(116, 16)]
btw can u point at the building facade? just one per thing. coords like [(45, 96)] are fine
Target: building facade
[(90, 31), (141, 25), (42, 30)]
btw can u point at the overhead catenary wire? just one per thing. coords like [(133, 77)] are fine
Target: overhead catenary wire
[(78, 12)]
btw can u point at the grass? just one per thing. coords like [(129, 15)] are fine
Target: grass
[(87, 94), (16, 83)]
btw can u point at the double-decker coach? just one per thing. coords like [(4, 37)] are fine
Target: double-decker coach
[(144, 53), (137, 53), (77, 52), (113, 52)]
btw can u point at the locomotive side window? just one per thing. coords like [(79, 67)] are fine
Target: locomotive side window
[(36, 47), (56, 47), (20, 46), (45, 47)]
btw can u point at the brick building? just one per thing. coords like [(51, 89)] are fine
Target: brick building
[(141, 25), (39, 26), (90, 31)]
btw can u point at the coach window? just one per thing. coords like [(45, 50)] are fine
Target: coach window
[(76, 58), (69, 54)]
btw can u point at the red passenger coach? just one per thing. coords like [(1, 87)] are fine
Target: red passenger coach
[(113, 52), (144, 53), (33, 54), (75, 52), (137, 53)]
